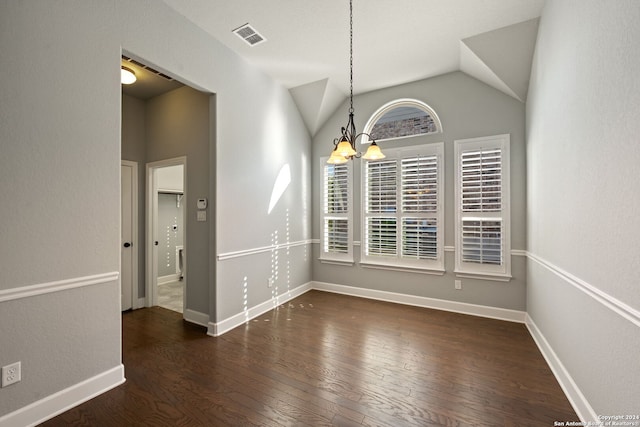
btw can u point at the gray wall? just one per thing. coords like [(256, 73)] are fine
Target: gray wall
[(582, 154), (467, 108), (267, 116), (177, 124), (60, 140)]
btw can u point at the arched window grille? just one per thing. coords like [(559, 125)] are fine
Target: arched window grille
[(402, 118)]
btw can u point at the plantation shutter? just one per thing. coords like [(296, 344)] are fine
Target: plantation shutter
[(336, 235), (336, 209), (481, 179), (402, 209), (419, 206), (336, 180), (381, 207), (481, 241), (482, 207)]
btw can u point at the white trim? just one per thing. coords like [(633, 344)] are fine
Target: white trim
[(482, 276), (57, 286), (134, 232), (514, 252), (57, 403), (262, 249), (579, 403), (402, 102), (141, 302), (225, 325), (196, 317), (317, 242), (334, 262), (402, 268), (624, 310), (425, 302)]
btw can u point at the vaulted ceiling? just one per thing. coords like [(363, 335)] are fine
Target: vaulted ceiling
[(395, 42)]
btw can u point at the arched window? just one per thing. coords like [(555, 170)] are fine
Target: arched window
[(400, 119)]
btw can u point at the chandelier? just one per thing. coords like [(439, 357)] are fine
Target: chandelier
[(344, 147)]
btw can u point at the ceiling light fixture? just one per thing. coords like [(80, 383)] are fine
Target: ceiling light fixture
[(127, 76), (345, 146)]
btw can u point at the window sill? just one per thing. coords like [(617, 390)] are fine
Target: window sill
[(336, 262), (484, 276), (436, 272)]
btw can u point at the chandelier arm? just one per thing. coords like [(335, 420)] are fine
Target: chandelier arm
[(371, 139)]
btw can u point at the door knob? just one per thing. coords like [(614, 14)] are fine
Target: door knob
[(127, 244)]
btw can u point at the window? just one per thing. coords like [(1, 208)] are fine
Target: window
[(336, 227), (482, 207), (402, 118), (402, 224)]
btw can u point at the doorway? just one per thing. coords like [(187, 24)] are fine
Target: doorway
[(166, 231), (160, 124)]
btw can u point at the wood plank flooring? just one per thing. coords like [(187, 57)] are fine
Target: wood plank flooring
[(329, 360)]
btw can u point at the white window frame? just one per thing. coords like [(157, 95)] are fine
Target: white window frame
[(403, 102), (327, 256), (488, 271), (398, 262)]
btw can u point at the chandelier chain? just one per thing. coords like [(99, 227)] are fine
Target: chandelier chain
[(351, 54), (344, 147)]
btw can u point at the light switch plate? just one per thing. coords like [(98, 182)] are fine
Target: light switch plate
[(201, 216)]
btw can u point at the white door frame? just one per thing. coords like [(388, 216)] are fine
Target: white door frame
[(134, 232), (151, 294)]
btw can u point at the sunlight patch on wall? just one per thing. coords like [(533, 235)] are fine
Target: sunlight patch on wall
[(282, 182)]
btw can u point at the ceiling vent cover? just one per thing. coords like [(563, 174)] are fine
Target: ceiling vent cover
[(247, 33), (146, 67)]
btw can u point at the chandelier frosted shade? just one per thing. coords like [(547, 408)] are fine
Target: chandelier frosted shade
[(345, 149), (336, 158), (373, 152)]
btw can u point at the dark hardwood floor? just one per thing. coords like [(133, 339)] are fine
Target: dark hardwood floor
[(326, 359)]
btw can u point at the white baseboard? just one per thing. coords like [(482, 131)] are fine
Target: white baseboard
[(580, 404), (219, 328), (196, 317), (439, 304), (142, 302), (63, 400)]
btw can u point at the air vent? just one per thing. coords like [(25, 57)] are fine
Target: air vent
[(249, 35), (146, 67)]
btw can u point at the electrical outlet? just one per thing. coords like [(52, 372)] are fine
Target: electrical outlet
[(11, 374), (458, 284)]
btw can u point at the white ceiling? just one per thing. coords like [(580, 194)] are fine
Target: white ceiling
[(395, 41)]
